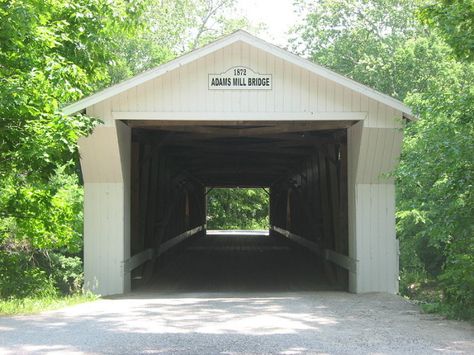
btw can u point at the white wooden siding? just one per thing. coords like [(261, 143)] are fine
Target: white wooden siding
[(105, 161), (373, 152), (354, 135), (103, 250), (379, 152), (294, 90), (100, 159), (376, 244)]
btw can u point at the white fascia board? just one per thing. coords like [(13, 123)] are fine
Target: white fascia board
[(228, 40), (239, 116)]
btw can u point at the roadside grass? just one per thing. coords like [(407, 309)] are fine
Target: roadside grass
[(11, 307), (428, 295), (449, 311)]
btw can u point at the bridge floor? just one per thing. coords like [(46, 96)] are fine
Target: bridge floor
[(223, 262)]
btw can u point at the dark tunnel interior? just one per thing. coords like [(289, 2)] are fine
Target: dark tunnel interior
[(303, 166)]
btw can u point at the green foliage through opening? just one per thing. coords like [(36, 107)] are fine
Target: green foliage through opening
[(237, 208)]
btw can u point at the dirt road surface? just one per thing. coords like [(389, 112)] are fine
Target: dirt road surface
[(247, 323)]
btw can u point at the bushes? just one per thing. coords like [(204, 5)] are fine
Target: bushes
[(51, 53), (25, 274), (67, 273), (39, 253), (38, 274), (435, 195), (457, 281), (19, 278)]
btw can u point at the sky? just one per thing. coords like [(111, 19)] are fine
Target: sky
[(278, 15)]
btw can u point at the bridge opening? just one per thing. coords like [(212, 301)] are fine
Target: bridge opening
[(234, 211), (177, 169)]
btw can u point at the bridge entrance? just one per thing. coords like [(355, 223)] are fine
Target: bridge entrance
[(303, 168), (241, 112)]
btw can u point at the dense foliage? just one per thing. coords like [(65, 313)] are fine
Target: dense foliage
[(53, 52), (50, 52), (384, 44), (238, 208), (455, 21)]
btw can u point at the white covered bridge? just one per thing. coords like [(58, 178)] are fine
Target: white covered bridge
[(241, 112)]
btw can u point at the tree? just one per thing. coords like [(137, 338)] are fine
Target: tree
[(382, 44), (170, 28), (454, 19), (51, 52), (238, 208)]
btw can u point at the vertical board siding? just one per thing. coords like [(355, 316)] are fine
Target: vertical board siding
[(379, 153), (185, 89), (376, 241), (278, 86), (100, 156), (371, 203), (103, 237), (105, 161), (354, 135)]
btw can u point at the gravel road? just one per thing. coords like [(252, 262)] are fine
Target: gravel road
[(237, 323)]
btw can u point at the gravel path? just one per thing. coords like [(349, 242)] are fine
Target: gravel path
[(231, 323)]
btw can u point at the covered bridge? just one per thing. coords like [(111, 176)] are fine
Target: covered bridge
[(241, 112)]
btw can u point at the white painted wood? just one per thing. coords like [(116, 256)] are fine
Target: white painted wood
[(296, 91), (105, 160), (241, 116), (376, 244), (257, 45), (379, 152), (354, 135), (373, 152)]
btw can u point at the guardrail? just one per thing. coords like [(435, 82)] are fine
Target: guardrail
[(151, 254), (343, 261)]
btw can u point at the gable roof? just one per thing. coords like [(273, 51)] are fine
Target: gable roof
[(225, 41)]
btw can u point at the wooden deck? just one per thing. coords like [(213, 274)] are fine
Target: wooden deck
[(239, 263)]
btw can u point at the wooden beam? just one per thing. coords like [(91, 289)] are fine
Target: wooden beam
[(224, 131), (330, 255), (239, 116), (136, 238)]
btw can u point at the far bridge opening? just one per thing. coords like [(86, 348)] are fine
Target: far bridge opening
[(295, 239), (237, 211)]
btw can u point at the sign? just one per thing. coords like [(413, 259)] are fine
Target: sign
[(240, 78)]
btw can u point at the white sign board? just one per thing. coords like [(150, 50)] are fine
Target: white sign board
[(240, 78)]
